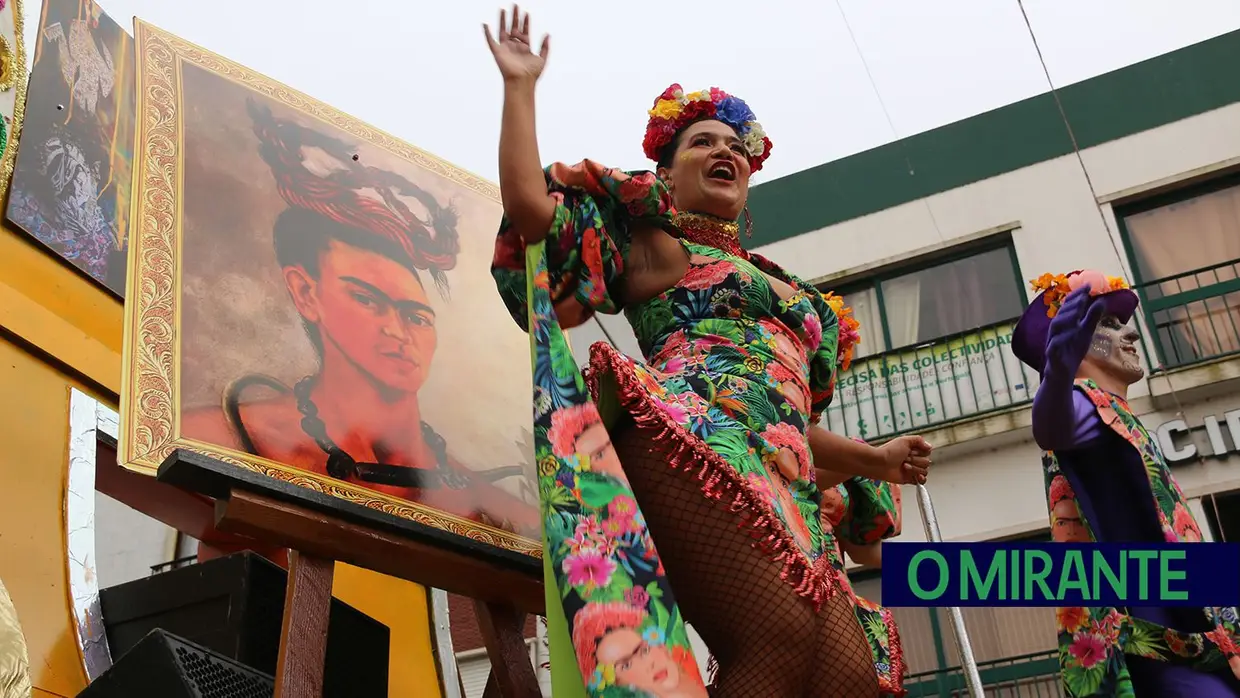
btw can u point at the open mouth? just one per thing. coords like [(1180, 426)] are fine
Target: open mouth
[(723, 171), (1129, 350), (660, 676)]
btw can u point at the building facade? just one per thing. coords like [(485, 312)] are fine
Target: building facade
[(933, 240)]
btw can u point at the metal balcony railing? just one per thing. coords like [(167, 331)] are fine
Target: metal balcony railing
[(1025, 676), (930, 384), (1193, 316), (173, 564)]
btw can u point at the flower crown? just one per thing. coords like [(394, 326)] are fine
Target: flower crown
[(1056, 287), (850, 329), (674, 110)]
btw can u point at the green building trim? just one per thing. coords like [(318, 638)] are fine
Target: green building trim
[(1136, 98)]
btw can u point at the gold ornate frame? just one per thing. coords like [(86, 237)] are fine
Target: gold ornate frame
[(16, 79), (150, 408)]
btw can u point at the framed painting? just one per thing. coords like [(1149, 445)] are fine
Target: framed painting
[(309, 303), (71, 179)]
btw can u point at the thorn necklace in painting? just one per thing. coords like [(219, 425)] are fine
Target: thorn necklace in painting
[(341, 465)]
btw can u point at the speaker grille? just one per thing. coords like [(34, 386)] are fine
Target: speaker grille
[(216, 679)]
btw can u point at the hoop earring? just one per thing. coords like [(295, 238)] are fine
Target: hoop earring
[(748, 224)]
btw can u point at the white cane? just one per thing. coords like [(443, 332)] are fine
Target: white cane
[(971, 676)]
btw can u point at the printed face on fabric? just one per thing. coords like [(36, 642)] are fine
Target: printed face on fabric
[(1067, 526), (622, 647), (638, 663), (626, 631), (1113, 351)]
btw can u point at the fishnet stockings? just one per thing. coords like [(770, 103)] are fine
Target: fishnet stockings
[(767, 640)]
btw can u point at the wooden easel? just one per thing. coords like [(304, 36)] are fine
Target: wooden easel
[(503, 597)]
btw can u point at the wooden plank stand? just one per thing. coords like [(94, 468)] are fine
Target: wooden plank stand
[(503, 596)]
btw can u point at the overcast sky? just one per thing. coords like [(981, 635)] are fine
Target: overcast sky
[(421, 71)]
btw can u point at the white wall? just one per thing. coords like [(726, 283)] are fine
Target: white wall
[(128, 542)]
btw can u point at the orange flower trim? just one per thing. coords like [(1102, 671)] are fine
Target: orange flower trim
[(850, 329), (1055, 288)]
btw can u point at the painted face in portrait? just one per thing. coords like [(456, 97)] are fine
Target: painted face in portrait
[(639, 664), (1113, 351), (369, 310)]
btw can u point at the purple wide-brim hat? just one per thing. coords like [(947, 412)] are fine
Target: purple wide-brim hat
[(1031, 331)]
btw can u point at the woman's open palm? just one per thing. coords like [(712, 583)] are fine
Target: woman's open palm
[(511, 47)]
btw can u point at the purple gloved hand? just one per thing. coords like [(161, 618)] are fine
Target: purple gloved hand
[(1072, 330)]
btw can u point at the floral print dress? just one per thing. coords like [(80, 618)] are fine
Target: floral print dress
[(1094, 642), (863, 512), (734, 376)]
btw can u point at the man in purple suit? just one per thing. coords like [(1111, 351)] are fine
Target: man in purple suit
[(1108, 482)]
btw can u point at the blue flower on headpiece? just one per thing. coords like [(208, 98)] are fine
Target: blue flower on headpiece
[(734, 112)]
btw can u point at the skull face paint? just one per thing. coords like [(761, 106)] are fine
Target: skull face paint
[(1113, 350), (1101, 345)]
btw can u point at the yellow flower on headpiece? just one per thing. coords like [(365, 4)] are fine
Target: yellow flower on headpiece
[(666, 109), (849, 329), (699, 96), (1055, 288), (1042, 283)]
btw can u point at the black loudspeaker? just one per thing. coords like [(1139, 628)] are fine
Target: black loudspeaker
[(167, 666), (234, 605)]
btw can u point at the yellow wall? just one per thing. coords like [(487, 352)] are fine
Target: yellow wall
[(60, 331)]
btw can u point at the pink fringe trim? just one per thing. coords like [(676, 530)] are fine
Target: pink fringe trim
[(814, 581), (898, 669)]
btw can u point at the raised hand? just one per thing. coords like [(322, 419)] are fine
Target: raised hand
[(1072, 330), (511, 47), (906, 460)]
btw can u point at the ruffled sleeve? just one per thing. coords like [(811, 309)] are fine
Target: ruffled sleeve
[(873, 511), (589, 237)]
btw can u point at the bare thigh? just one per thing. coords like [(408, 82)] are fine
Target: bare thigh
[(768, 640)]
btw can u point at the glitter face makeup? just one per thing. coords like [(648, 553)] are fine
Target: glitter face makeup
[(1113, 350), (1101, 346)]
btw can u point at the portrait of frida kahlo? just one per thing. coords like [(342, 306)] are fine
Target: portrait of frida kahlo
[(357, 264)]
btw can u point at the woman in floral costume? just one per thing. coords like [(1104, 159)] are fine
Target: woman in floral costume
[(1108, 482), (710, 447)]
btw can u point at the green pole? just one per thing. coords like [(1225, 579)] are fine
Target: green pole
[(940, 655)]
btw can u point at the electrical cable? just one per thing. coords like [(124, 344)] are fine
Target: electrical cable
[(1175, 397)]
